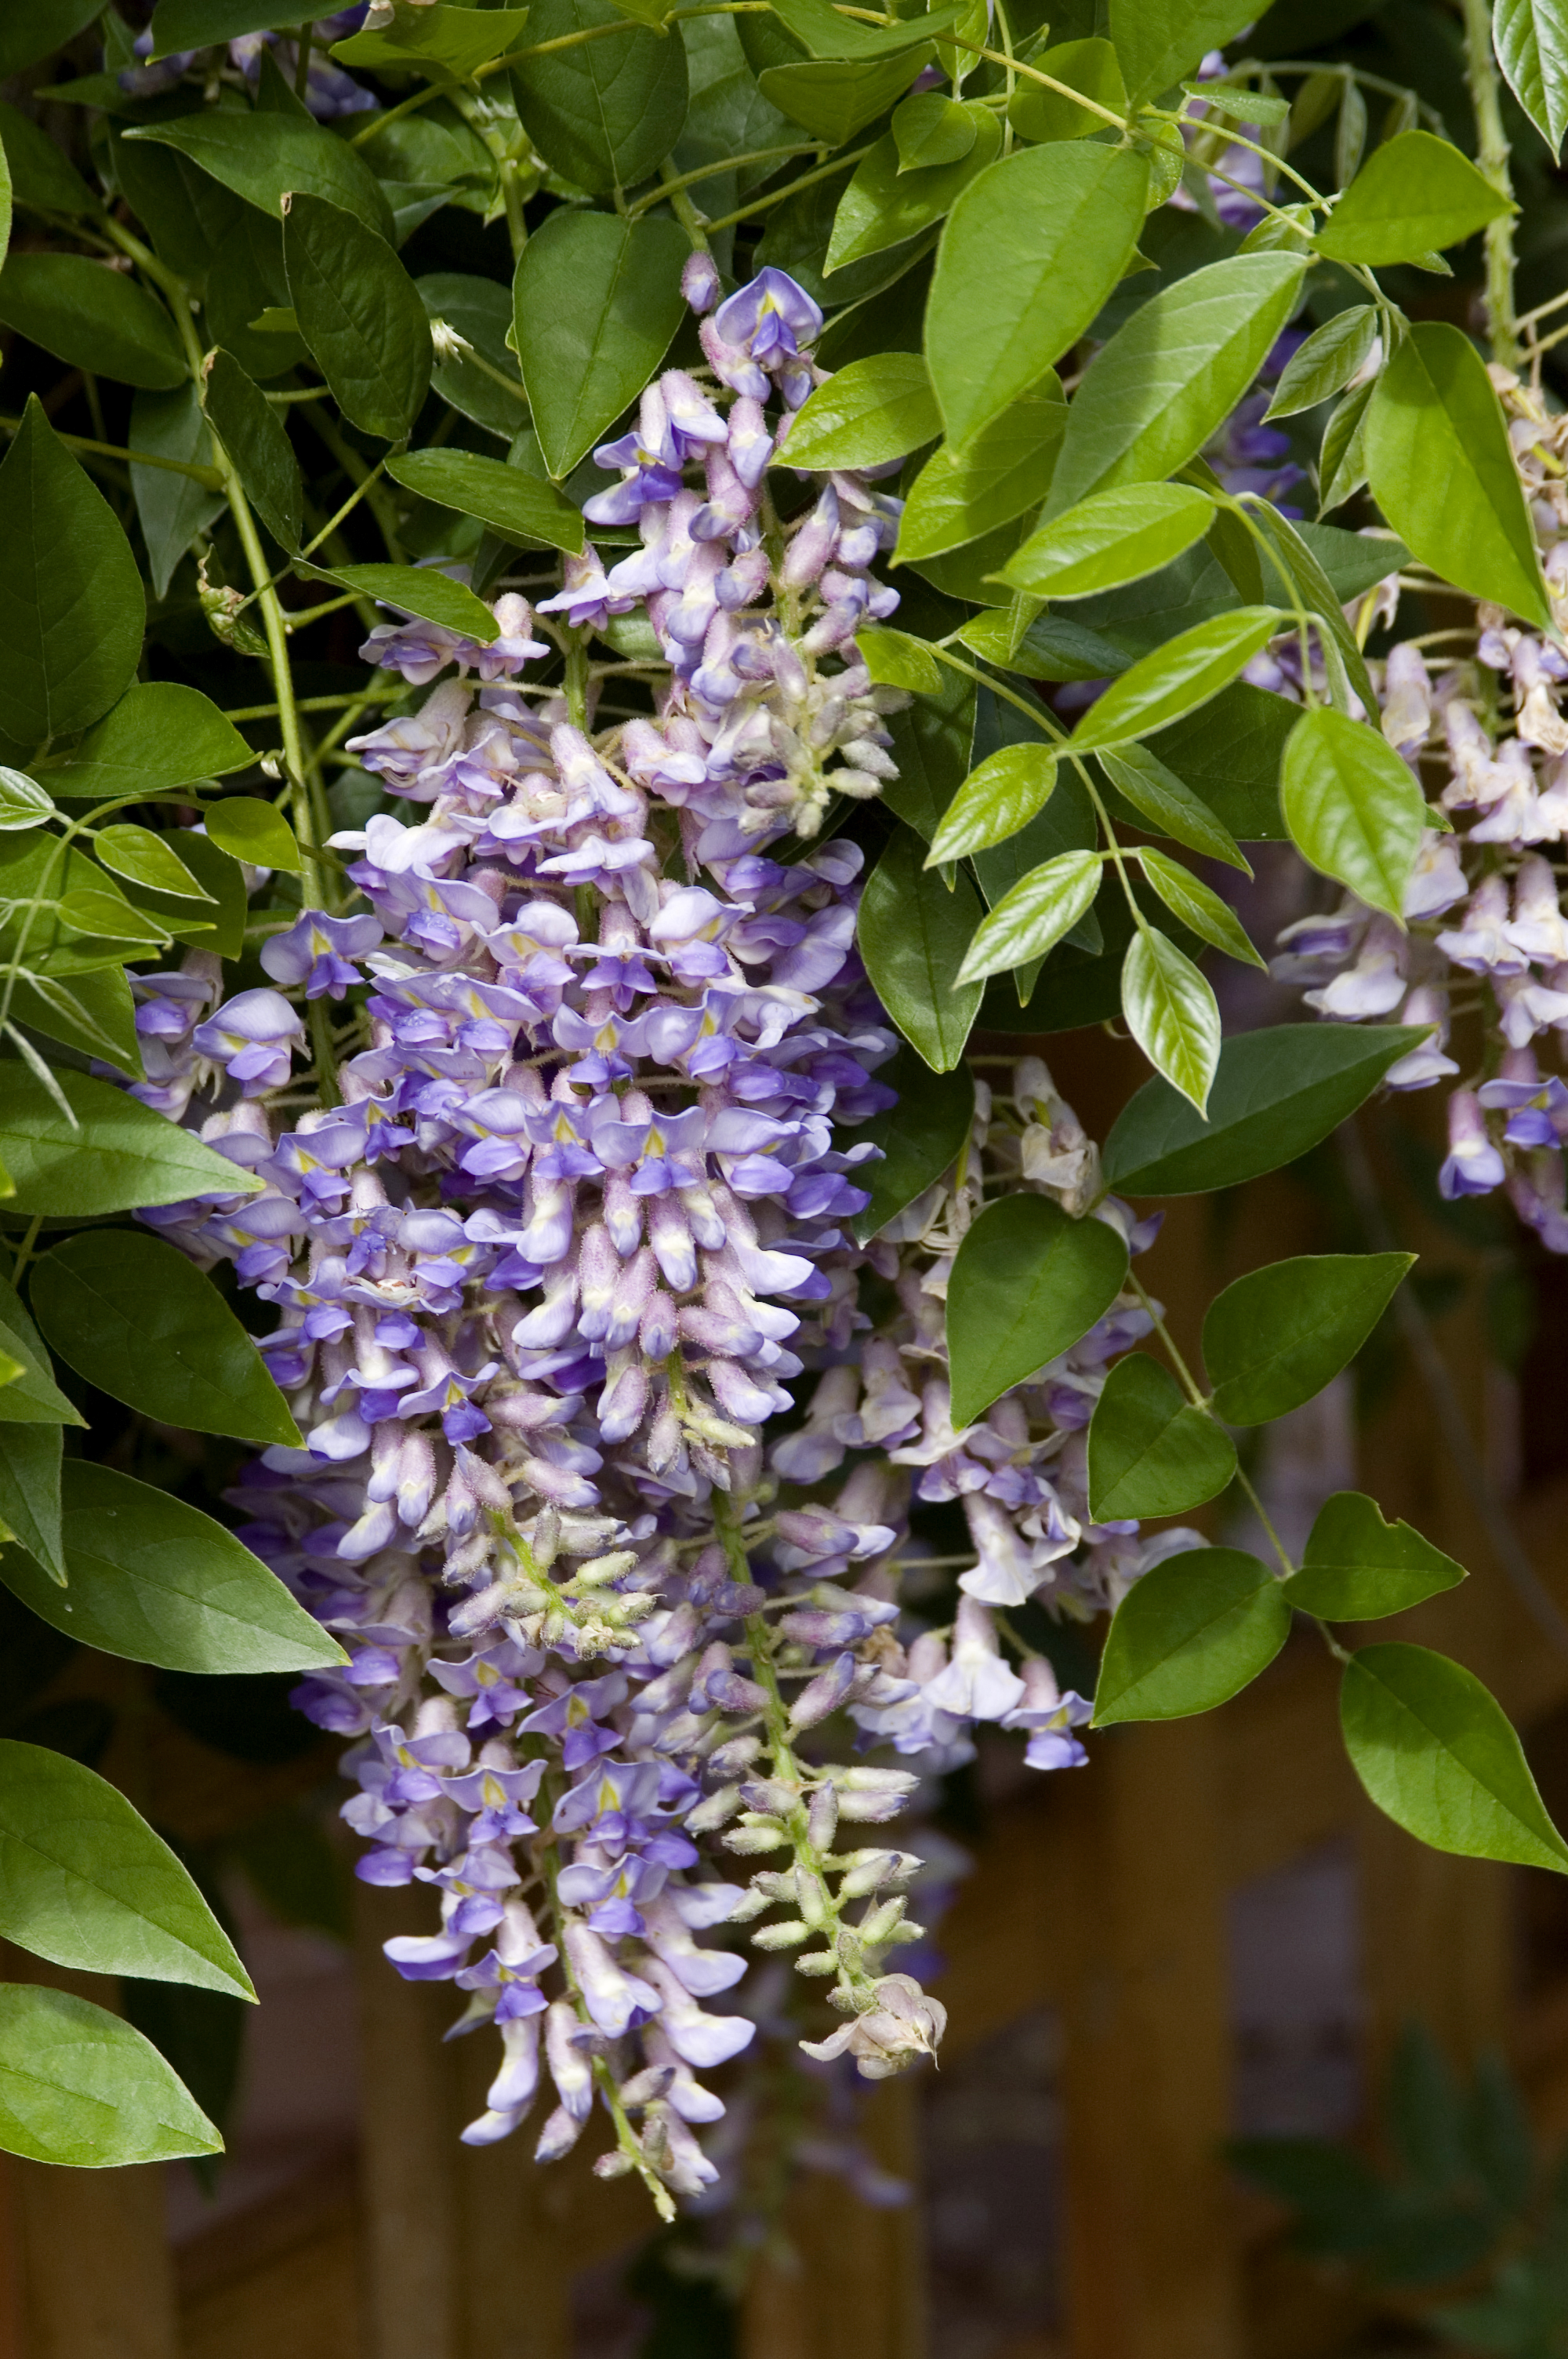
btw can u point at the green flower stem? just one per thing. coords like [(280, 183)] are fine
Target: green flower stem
[(207, 476), (823, 1910), (306, 704), (808, 181), (358, 473), (676, 188), (715, 171), (1481, 73)]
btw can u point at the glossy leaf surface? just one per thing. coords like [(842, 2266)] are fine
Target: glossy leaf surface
[(78, 2086)]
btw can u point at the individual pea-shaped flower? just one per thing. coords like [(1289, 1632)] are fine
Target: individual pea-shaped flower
[(318, 953), (253, 1037), (1474, 1167)]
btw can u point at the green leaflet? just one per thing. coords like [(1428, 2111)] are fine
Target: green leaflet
[(1158, 42), (930, 129), (417, 589), (897, 659), (1171, 1012), (33, 28), (603, 113), (996, 800), (80, 2087), (1030, 251), (31, 1396), (1436, 1753), (140, 1321), (1357, 1567), (1192, 1633), (265, 157), (965, 492), (1438, 459), (1161, 802), (867, 414), (834, 98), (159, 1581), (885, 205), (1197, 906), (1276, 1093), (1183, 674), (161, 734), (597, 301), (31, 1460), (196, 24), (1326, 362), (919, 1137), (1532, 42), (360, 314), (1415, 195), (248, 829), (1027, 1283), (86, 1883), (91, 317), (1109, 538), (122, 1156), (507, 499), (71, 604), (1274, 1338), (1091, 66), (143, 858), (455, 39), (913, 934), (253, 434), (40, 174), (1152, 396), (1151, 1451), (1029, 920), (1352, 807), (173, 509)]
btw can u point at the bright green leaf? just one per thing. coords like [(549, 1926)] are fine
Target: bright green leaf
[(896, 660), (421, 589), (1171, 1012), (1531, 41), (866, 415), (930, 129), (507, 499), (1110, 538), (123, 1156), (1442, 474), (1351, 806), (1028, 1283), (1177, 678), (1436, 1753), (884, 206), (1357, 1567), (1158, 42), (248, 829), (1325, 363), (431, 33), (161, 734), (834, 97), (1151, 1451), (1029, 920), (78, 2086), (1274, 1338), (140, 1321), (1276, 1094), (1028, 253), (1091, 66), (913, 934), (1169, 808), (995, 800), (159, 1581), (143, 858), (23, 802), (1413, 195), (1198, 907), (962, 494), (1191, 1634)]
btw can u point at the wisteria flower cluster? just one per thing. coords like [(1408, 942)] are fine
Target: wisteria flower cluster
[(568, 1235)]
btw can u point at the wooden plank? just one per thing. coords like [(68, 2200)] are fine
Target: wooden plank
[(409, 2130)]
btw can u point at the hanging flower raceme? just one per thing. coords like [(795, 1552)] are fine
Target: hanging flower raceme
[(565, 1233)]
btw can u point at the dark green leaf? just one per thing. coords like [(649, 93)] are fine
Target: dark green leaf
[(360, 314), (265, 157), (200, 24), (1349, 677), (1435, 1752), (1274, 1338), (1027, 1284), (31, 1396), (1151, 1451), (1276, 1093), (1442, 474), (92, 1012), (605, 112), (1353, 807), (86, 1883), (455, 39), (71, 605), (597, 302), (1162, 803), (1177, 678), (1230, 754), (123, 1155), (1030, 251), (173, 510), (508, 498), (161, 734), (93, 318), (41, 175), (140, 1321), (1151, 396), (885, 206), (253, 434), (1191, 1634), (920, 1136), (931, 744), (1413, 195), (80, 2087), (419, 590), (1532, 42), (869, 413), (156, 1579), (30, 1459), (32, 28), (1357, 1567), (913, 934), (1158, 42), (962, 495)]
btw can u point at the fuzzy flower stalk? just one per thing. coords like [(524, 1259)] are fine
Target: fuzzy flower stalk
[(559, 1254)]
